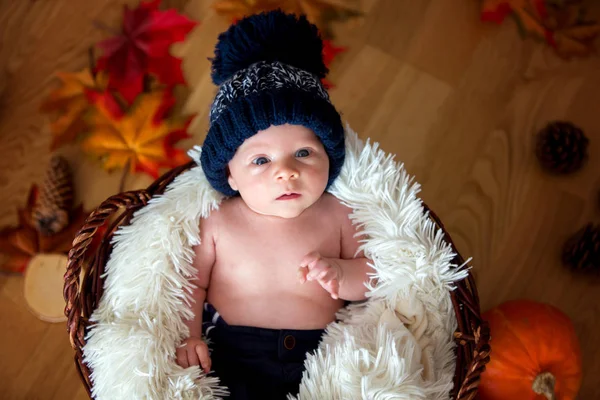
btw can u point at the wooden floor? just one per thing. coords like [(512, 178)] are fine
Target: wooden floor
[(458, 101)]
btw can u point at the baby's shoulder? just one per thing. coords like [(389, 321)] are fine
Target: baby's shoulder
[(219, 216), (226, 209), (332, 206)]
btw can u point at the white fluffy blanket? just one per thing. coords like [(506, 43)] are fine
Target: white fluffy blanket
[(396, 345)]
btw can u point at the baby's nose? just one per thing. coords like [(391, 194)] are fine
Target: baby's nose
[(287, 172)]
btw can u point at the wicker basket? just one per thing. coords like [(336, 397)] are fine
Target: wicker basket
[(83, 288)]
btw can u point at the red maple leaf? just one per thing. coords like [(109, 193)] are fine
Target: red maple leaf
[(143, 48), (330, 52), (497, 10)]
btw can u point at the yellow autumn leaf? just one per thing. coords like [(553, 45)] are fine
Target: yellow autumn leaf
[(319, 12), (139, 139), (529, 18), (577, 40), (69, 103)]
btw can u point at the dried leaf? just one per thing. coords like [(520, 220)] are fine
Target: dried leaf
[(497, 10), (561, 23), (237, 9), (141, 138), (529, 17), (582, 32), (70, 103), (18, 244), (320, 12), (572, 35), (330, 52), (560, 15), (63, 240), (528, 13), (575, 41), (143, 48)]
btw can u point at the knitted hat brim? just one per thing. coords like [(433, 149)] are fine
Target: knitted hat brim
[(248, 115)]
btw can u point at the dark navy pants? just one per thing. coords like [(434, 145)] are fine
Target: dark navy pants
[(257, 363)]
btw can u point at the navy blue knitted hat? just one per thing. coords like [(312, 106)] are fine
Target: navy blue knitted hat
[(269, 68)]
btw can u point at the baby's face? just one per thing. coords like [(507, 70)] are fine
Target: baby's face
[(280, 171)]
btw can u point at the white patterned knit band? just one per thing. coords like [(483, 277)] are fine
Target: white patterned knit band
[(264, 76)]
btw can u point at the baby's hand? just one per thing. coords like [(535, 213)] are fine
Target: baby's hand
[(323, 270), (193, 351)]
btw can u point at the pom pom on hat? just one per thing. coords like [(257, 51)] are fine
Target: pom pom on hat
[(269, 36)]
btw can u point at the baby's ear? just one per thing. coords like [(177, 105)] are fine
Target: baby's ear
[(230, 180)]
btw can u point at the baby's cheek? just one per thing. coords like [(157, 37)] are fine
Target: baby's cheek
[(316, 168), (250, 182)]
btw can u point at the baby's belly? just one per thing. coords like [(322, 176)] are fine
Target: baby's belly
[(289, 306)]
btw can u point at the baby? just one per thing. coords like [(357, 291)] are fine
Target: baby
[(279, 258)]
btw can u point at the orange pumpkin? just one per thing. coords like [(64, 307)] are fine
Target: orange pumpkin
[(535, 354)]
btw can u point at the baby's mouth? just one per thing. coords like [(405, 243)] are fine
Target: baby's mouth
[(288, 196)]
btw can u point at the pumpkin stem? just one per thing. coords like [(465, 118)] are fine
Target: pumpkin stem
[(544, 384)]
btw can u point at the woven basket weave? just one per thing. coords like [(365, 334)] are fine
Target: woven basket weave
[(84, 284)]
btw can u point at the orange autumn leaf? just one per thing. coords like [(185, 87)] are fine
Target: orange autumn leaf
[(558, 16), (572, 34), (498, 10), (237, 9), (320, 12), (529, 14), (577, 40), (560, 23), (69, 103), (141, 139)]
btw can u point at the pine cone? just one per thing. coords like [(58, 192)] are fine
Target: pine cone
[(51, 212), (561, 147), (582, 250)]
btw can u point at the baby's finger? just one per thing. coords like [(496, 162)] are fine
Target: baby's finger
[(333, 287), (192, 357), (310, 258), (205, 361), (182, 359), (302, 272), (327, 275), (335, 284), (317, 268)]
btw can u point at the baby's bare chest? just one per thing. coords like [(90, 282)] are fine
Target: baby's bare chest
[(271, 248), (248, 250), (254, 280)]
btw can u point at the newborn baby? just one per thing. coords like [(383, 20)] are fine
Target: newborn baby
[(279, 257)]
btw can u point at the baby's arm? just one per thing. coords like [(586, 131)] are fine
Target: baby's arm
[(194, 351), (203, 262), (354, 269), (343, 277)]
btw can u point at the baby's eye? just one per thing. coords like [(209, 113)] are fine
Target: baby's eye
[(260, 161), (302, 153)]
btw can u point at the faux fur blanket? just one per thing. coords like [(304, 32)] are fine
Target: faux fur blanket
[(396, 345)]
